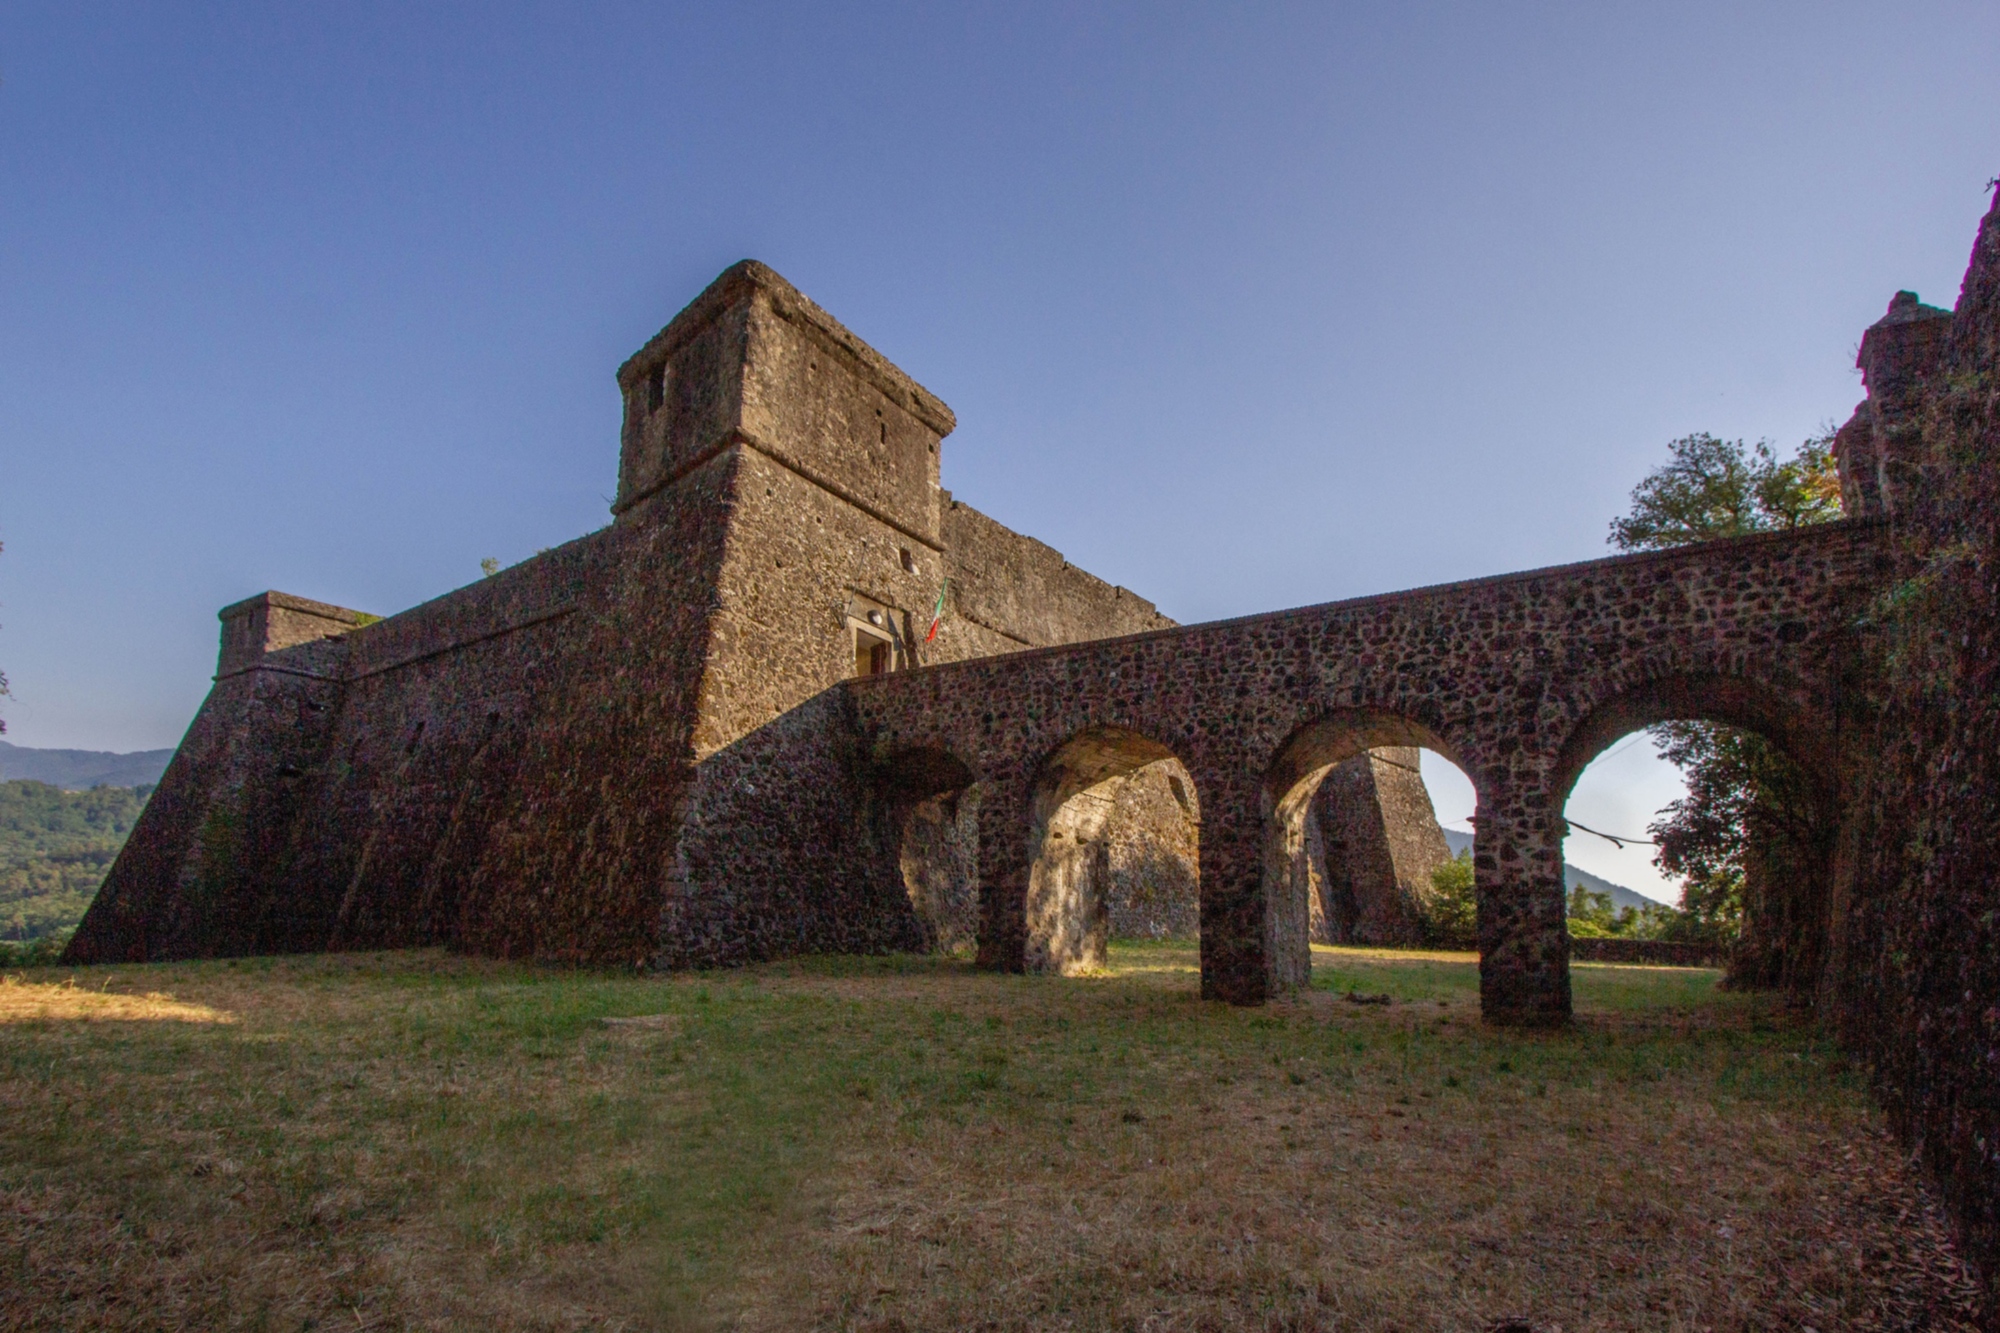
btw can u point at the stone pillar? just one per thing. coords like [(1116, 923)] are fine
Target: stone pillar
[(1523, 926), (1006, 814), (1254, 941)]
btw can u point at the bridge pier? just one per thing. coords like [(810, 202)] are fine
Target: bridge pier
[(1006, 811), (1523, 926), (1255, 940)]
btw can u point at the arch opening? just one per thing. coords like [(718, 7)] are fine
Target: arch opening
[(930, 815), (1114, 850), (1742, 812), (1354, 847)]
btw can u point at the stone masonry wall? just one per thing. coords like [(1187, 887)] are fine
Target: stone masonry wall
[(1914, 985), (565, 761), (1521, 680)]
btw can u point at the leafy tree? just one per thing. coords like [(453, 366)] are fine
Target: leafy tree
[(1718, 488), (1452, 911), (1592, 916), (1748, 812)]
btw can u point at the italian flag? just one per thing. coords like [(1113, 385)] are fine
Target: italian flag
[(937, 612)]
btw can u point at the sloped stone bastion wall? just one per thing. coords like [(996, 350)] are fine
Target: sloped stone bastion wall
[(551, 762)]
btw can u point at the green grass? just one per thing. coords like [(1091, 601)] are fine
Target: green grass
[(414, 1140)]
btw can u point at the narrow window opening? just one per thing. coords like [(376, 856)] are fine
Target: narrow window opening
[(656, 387)]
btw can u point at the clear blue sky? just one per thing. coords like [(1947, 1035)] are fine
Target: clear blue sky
[(1243, 307)]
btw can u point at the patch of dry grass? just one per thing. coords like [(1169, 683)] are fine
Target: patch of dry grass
[(28, 1002), (417, 1141)]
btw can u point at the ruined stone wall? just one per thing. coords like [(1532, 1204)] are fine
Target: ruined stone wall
[(1914, 983), (937, 853), (1153, 856)]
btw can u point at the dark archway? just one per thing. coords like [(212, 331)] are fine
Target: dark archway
[(1350, 839), (1114, 849), (928, 808)]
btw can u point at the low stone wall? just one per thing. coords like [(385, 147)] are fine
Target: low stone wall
[(1658, 952)]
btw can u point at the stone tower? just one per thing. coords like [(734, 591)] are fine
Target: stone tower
[(565, 760)]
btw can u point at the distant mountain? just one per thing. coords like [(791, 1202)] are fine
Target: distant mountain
[(1572, 876), (80, 770)]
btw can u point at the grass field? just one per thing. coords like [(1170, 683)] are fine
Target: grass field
[(423, 1141)]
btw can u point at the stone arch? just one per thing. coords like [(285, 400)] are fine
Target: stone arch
[(1113, 848), (928, 807), (1788, 922), (1308, 892), (1777, 712)]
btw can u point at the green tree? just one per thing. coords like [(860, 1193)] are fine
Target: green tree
[(1748, 813), (1592, 916), (1714, 488), (1451, 915)]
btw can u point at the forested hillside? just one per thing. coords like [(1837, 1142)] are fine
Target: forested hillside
[(55, 848)]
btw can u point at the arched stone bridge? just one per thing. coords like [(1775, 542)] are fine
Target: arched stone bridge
[(1520, 679)]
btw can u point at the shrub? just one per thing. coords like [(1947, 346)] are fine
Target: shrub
[(1452, 914)]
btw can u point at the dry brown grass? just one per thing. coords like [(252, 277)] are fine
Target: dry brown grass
[(29, 1002), (414, 1141)]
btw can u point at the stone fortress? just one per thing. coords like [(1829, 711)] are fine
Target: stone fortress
[(727, 727), (779, 527), (721, 729)]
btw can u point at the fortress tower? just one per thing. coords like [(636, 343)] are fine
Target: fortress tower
[(556, 761)]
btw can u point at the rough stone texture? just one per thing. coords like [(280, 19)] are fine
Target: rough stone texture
[(274, 620), (1153, 862), (1913, 971), (1879, 448), (1521, 680), (623, 750), (640, 747), (1379, 841)]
